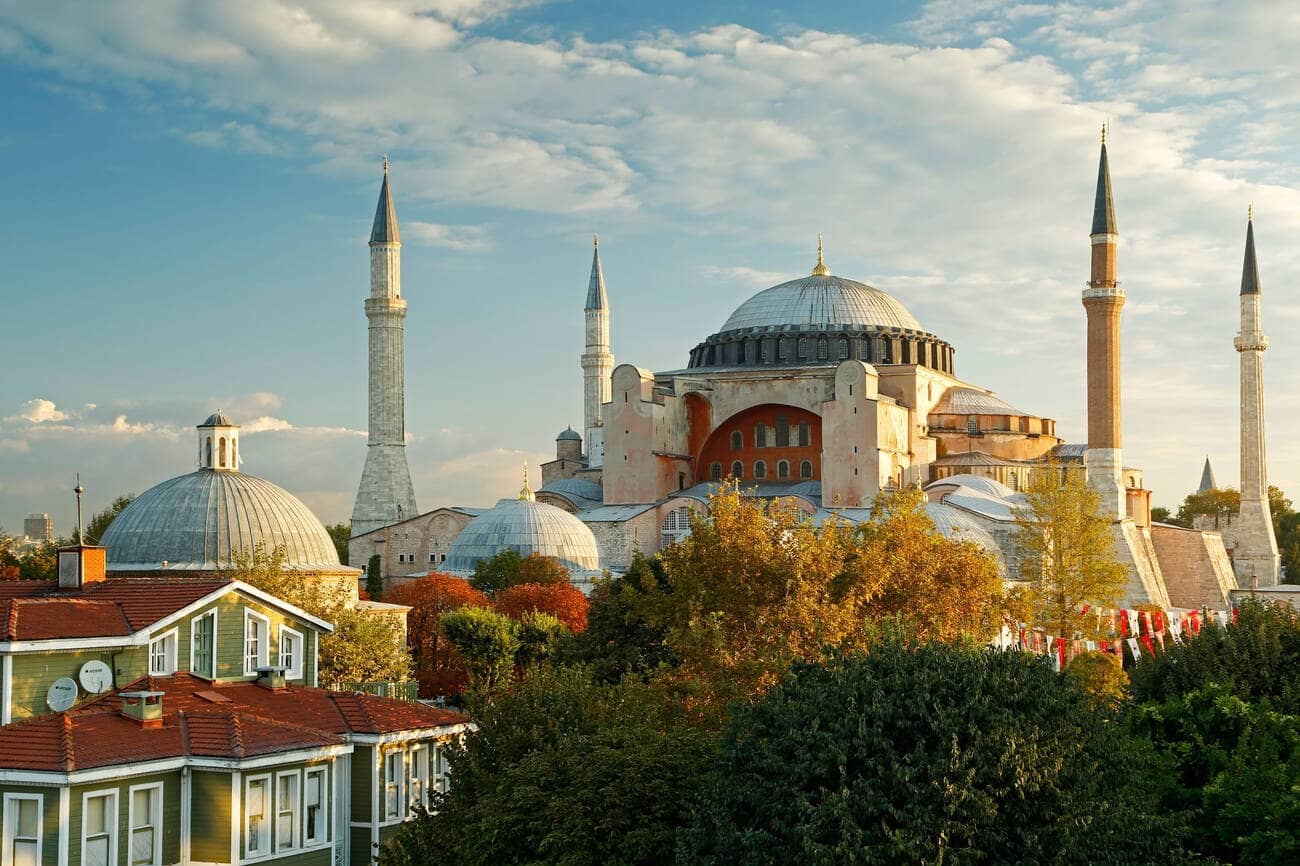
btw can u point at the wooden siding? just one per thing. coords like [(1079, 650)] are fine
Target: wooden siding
[(49, 818), (34, 673), (363, 768), (210, 817), (362, 853), (230, 637), (171, 815)]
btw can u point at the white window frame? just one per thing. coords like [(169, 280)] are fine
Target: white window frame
[(323, 819), (264, 649), (440, 770), (268, 816), (210, 674), (295, 671), (395, 807), (155, 822), (417, 785), (170, 649), (110, 821), (294, 778), (11, 826)]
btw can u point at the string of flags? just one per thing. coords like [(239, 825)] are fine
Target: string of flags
[(1130, 633)]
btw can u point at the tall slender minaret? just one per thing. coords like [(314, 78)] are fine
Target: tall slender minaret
[(385, 495), (1255, 559), (597, 360), (1103, 300)]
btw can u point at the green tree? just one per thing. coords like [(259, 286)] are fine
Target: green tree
[(508, 568), (1066, 549), (1160, 514), (340, 534), (539, 634), (1218, 503), (619, 639), (43, 562), (488, 641), (564, 770), (927, 753), (375, 577), (100, 522)]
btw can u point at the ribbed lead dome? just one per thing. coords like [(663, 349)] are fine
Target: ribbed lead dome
[(821, 301), (199, 521), (525, 526)]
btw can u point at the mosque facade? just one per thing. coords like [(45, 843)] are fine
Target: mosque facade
[(826, 391)]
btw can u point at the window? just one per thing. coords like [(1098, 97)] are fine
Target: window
[(782, 431), (803, 348), (676, 526), (822, 350), (715, 472), (23, 829), (972, 425), (805, 469), (162, 655), (782, 352), (737, 440), (783, 469), (257, 803), (441, 779), (394, 770), (760, 469), (286, 811), (760, 435), (203, 630), (315, 812), (146, 825), (805, 434), (737, 469), (291, 651), (207, 451), (843, 350), (433, 557), (762, 351), (419, 775), (223, 452), (99, 828), (1013, 481), (256, 651)]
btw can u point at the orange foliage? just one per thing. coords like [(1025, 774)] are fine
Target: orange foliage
[(8, 572), (439, 668), (562, 600)]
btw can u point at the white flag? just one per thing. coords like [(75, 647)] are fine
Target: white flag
[(1133, 646)]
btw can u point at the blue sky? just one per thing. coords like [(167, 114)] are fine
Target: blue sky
[(188, 188)]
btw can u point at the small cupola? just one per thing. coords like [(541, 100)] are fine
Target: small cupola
[(143, 707), (272, 677), (219, 443)]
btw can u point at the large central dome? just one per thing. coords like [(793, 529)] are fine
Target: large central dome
[(821, 301)]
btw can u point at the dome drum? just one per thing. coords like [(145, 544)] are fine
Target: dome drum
[(822, 347)]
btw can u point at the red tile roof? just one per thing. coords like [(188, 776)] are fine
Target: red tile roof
[(40, 610), (251, 721), (144, 601), (55, 618)]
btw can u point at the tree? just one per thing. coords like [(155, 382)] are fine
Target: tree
[(487, 640), (921, 752), (539, 635), (100, 522), (619, 639), (564, 770), (1161, 514), (340, 534), (1219, 503), (562, 600), (42, 562), (375, 578), (1100, 676), (1255, 658), (1066, 549), (439, 668), (507, 568)]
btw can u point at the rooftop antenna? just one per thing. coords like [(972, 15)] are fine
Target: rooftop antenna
[(81, 538)]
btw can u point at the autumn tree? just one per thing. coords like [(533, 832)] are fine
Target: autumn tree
[(1066, 548), (561, 600), (439, 667)]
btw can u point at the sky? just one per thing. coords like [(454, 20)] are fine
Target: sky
[(188, 190)]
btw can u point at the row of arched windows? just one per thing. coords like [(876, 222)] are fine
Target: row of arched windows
[(874, 350), (221, 453), (760, 470), (782, 437)]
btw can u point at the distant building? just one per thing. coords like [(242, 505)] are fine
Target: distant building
[(39, 527)]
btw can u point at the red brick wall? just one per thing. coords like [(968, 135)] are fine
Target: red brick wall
[(718, 447)]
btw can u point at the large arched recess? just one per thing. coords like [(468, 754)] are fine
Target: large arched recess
[(795, 450)]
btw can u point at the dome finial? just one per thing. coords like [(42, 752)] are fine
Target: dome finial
[(385, 163), (595, 240), (821, 270), (1103, 131), (1250, 212), (526, 492)]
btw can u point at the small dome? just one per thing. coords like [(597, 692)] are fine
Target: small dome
[(218, 419), (525, 526), (201, 520), (972, 401), (584, 488), (818, 302), (977, 483), (569, 434), (957, 525)]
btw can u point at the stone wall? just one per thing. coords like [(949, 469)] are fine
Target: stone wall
[(1195, 566)]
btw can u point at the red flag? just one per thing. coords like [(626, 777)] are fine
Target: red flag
[(1146, 640), (1234, 616)]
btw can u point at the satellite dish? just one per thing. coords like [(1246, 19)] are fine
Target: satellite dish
[(96, 677), (62, 694)]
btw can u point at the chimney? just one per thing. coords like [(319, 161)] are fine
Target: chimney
[(146, 708), (272, 677), (81, 565)]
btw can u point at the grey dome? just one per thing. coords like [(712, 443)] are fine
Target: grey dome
[(569, 434), (199, 521), (569, 487), (218, 419), (818, 302), (970, 401), (957, 525), (525, 526), (978, 483)]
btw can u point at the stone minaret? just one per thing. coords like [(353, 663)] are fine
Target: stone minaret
[(1104, 299), (1255, 559), (385, 495), (597, 361)]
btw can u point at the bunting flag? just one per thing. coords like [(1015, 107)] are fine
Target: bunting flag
[(1234, 616), (1060, 654), (1133, 648), (1195, 618), (1132, 617), (1146, 622), (1146, 641)]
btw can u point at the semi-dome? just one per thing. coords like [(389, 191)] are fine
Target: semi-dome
[(203, 520), (525, 526), (817, 301), (957, 525)]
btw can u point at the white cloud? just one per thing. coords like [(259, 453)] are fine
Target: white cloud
[(39, 410), (460, 238)]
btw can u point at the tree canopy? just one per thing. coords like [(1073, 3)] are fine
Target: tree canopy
[(439, 667), (564, 601), (508, 568)]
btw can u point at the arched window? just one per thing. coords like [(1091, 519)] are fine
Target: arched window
[(844, 348), (222, 451), (805, 469), (972, 425), (676, 526), (783, 469), (782, 431), (234, 456), (742, 349), (762, 351), (737, 470), (1013, 481), (822, 352), (207, 453), (737, 440), (715, 471), (805, 434), (782, 350), (760, 435), (803, 348), (760, 470)]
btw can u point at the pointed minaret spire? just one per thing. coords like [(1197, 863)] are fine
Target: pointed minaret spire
[(1249, 267), (385, 230), (1103, 209), (820, 270), (596, 299), (1207, 479)]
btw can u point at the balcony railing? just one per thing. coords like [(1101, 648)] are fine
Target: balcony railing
[(398, 691)]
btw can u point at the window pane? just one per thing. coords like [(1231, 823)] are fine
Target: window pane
[(96, 809), (142, 847), (27, 813), (25, 854), (96, 852)]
